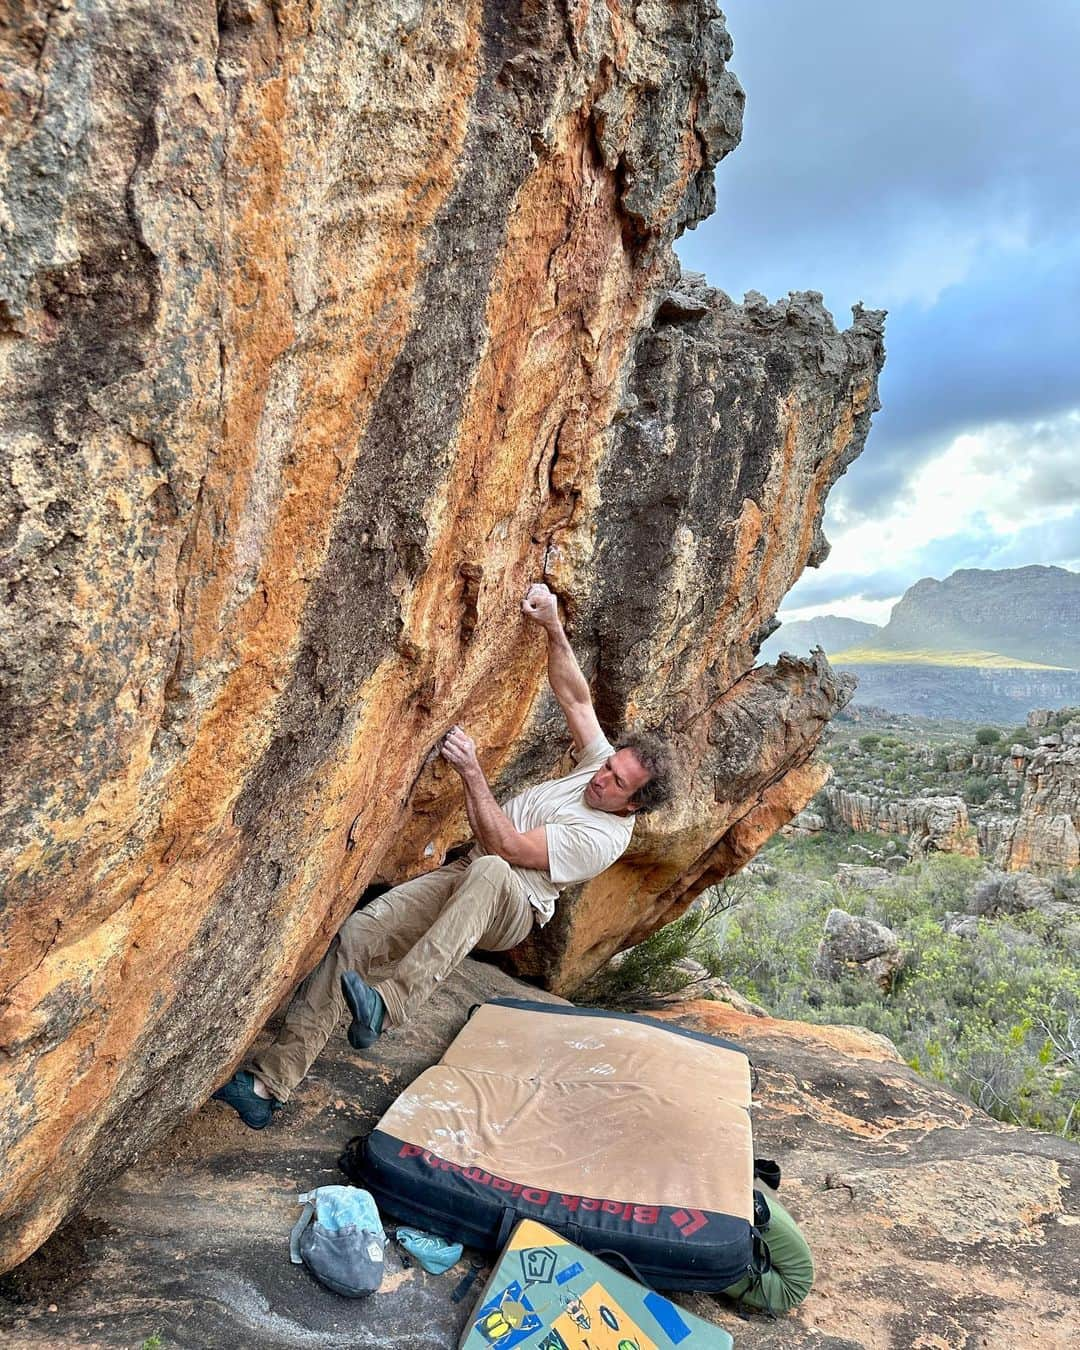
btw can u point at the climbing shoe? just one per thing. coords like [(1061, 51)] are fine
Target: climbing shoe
[(239, 1093), (367, 1010)]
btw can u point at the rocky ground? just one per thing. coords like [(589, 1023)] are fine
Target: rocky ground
[(932, 1225)]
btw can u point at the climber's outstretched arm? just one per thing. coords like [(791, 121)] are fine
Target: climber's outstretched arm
[(564, 674)]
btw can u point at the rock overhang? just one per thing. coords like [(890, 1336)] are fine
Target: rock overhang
[(330, 331)]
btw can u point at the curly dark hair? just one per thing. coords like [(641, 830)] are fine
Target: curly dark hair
[(655, 757)]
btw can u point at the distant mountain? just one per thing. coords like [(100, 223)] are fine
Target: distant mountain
[(1028, 612), (827, 631), (961, 648)]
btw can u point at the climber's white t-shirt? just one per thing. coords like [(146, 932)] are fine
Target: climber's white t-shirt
[(581, 841)]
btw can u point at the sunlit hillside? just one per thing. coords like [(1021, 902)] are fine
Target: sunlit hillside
[(856, 656)]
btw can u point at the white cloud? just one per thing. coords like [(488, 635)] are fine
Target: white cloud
[(995, 481), (1004, 495)]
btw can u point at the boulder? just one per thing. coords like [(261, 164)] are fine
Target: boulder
[(693, 970), (704, 985), (1023, 893), (972, 926), (961, 925), (806, 822), (852, 943), (327, 328), (1015, 893), (691, 980)]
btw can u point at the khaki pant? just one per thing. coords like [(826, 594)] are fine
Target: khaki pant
[(425, 927)]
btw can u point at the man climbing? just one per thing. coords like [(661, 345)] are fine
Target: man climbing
[(557, 834)]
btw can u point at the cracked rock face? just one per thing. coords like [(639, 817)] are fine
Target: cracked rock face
[(932, 824), (325, 329), (1045, 837)]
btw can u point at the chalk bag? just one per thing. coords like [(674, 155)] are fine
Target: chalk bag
[(340, 1238)]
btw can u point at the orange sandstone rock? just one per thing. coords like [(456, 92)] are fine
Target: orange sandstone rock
[(327, 328), (1045, 837)]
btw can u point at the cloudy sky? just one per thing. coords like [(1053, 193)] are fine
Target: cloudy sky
[(923, 158)]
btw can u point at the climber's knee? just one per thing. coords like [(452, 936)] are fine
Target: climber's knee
[(491, 868)]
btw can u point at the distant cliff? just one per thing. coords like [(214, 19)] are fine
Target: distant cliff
[(327, 328), (1021, 614), (967, 693), (1032, 613), (1024, 812), (932, 824), (1028, 613)]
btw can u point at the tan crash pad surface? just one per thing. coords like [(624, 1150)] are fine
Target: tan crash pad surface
[(597, 1106)]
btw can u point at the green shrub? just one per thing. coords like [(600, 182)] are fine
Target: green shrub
[(944, 882), (817, 856), (870, 741), (651, 971), (996, 1020), (987, 736), (975, 789)]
